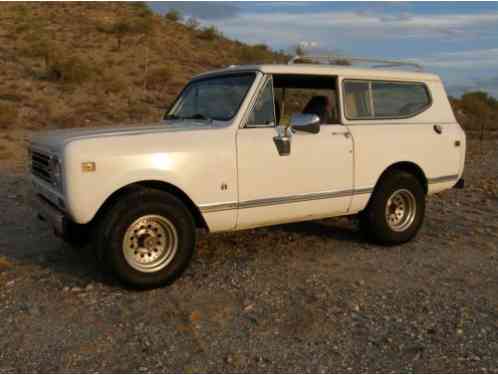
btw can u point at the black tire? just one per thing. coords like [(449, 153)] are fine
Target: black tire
[(117, 218), (76, 235), (373, 220)]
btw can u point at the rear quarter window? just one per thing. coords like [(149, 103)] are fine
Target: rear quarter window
[(384, 99), (392, 99)]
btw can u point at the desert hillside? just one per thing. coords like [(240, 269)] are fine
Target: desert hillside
[(96, 64), (75, 64)]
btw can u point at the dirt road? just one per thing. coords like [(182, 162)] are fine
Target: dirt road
[(307, 297)]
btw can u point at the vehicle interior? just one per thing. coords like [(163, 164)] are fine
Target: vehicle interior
[(305, 94)]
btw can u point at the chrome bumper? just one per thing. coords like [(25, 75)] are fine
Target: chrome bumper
[(51, 214)]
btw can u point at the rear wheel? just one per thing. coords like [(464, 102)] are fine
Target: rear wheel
[(147, 238), (396, 209)]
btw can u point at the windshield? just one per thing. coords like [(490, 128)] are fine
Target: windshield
[(216, 98)]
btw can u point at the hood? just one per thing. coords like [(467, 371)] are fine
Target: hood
[(54, 140)]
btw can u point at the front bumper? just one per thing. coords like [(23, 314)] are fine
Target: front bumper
[(55, 217)]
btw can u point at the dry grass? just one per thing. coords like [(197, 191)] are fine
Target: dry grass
[(8, 115), (79, 64)]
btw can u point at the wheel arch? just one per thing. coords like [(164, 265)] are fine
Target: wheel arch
[(158, 185), (405, 166)]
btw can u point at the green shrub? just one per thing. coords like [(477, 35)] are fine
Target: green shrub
[(141, 9), (209, 33), (173, 15)]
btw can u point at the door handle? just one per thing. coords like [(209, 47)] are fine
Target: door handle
[(345, 134), (438, 129)]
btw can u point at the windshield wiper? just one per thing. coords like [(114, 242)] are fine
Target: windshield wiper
[(197, 116), (171, 117)]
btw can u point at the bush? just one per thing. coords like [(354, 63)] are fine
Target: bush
[(209, 33), (125, 26), (173, 15), (476, 111), (8, 115), (141, 9), (71, 69), (255, 54), (342, 61)]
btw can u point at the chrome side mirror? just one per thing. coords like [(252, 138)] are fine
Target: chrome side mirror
[(306, 122), (283, 140)]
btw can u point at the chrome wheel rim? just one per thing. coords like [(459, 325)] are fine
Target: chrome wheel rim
[(401, 208), (150, 243)]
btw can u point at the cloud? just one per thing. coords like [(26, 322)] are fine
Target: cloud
[(373, 29), (488, 84), (475, 59), (289, 27)]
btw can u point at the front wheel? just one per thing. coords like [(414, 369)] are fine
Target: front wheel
[(147, 238), (396, 209)]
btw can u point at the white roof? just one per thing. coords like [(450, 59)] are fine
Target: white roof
[(322, 69)]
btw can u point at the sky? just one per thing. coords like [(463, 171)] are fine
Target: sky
[(457, 40)]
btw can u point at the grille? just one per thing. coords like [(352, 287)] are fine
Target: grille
[(40, 166)]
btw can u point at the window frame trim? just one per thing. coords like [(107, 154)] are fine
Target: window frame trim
[(370, 92), (268, 79)]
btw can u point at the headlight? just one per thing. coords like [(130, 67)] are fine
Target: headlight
[(56, 172)]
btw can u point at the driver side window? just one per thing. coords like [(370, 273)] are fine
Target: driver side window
[(263, 112)]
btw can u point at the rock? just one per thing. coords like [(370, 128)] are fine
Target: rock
[(89, 287), (76, 289), (195, 316), (249, 307), (10, 283)]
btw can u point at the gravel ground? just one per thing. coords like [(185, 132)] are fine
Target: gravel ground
[(306, 297)]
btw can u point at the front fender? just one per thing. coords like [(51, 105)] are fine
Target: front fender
[(84, 202)]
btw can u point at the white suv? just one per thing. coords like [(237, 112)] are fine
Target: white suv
[(251, 146)]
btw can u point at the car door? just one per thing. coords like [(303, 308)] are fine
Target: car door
[(315, 180)]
